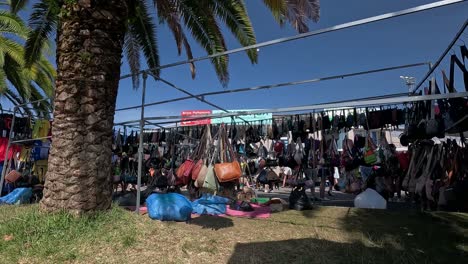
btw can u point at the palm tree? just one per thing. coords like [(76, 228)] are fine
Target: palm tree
[(17, 83), (91, 37)]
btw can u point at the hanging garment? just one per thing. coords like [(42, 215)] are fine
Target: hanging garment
[(12, 151), (40, 150), (25, 154), (41, 128), (5, 124), (40, 169)]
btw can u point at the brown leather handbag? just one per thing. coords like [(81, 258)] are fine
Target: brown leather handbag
[(227, 171), (12, 176)]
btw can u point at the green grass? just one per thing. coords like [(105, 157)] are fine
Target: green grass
[(324, 235)]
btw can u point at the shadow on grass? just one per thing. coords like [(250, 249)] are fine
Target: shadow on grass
[(308, 250), (422, 237), (212, 222)]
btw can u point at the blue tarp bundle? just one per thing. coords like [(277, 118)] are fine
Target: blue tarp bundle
[(169, 207), (210, 204), (17, 196)]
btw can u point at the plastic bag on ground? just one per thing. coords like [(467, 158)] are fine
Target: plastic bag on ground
[(17, 196), (169, 207), (210, 205), (370, 199)]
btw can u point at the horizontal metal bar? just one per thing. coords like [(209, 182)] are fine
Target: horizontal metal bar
[(201, 99), (271, 86), (356, 103), (449, 47), (311, 33), (215, 115), (29, 139), (36, 101)]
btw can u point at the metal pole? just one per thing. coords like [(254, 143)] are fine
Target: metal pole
[(5, 162), (436, 64), (140, 147), (277, 85)]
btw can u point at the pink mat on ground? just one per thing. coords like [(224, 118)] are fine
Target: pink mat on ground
[(143, 209), (259, 212)]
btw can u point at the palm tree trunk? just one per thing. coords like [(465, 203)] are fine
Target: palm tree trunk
[(89, 47)]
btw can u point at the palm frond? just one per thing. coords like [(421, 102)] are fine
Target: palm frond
[(12, 49), (300, 11), (235, 16), (43, 108), (3, 83), (11, 23), (43, 22), (44, 64), (132, 52), (42, 80), (143, 30), (278, 9), (167, 13), (296, 12), (204, 28), (15, 75), (17, 5)]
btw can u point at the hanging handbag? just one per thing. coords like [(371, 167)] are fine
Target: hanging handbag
[(370, 156), (204, 142), (197, 168), (434, 126), (185, 169), (201, 176), (210, 180), (375, 119), (227, 171), (326, 124)]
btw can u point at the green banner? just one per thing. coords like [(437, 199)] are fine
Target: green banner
[(266, 118)]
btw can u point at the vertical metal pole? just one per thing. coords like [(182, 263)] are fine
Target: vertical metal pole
[(5, 162), (140, 147)]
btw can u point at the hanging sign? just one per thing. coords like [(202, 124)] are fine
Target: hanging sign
[(266, 118), (191, 114)]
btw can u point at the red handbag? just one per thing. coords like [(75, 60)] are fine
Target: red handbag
[(196, 168), (188, 168), (181, 170)]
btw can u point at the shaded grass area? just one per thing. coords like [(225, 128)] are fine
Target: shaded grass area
[(324, 235)]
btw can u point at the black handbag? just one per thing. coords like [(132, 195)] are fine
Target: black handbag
[(434, 125), (326, 124)]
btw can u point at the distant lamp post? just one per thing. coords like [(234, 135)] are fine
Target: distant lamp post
[(410, 82)]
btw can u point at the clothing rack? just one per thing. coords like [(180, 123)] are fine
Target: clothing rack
[(259, 45), (11, 141), (392, 99)]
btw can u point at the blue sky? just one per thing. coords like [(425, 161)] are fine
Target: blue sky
[(410, 39)]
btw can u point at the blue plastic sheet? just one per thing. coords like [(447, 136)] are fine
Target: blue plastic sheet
[(17, 196), (210, 205), (169, 207)]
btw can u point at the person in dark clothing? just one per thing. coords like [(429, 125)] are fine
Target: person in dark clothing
[(156, 183)]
